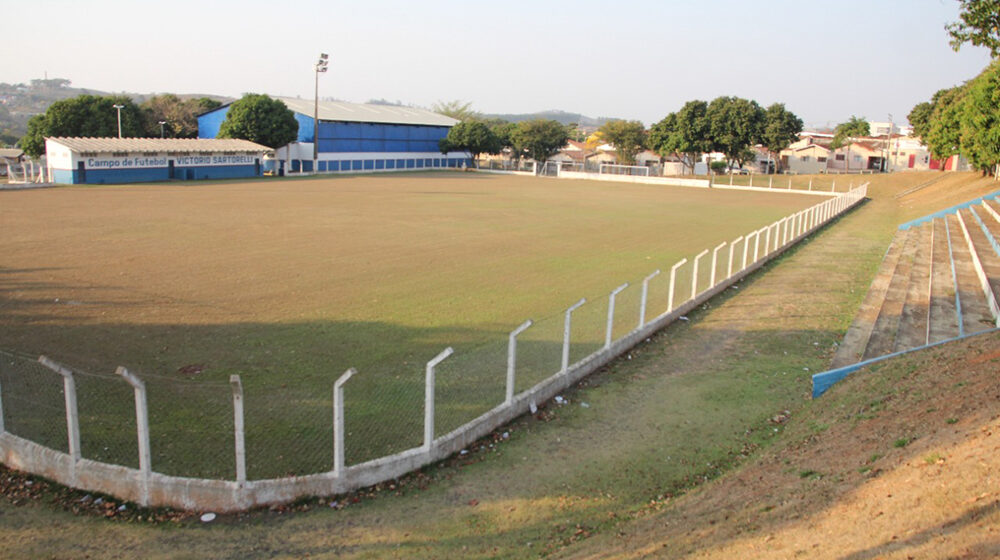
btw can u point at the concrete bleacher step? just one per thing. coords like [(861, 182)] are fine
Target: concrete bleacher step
[(942, 320), (856, 339), (883, 337), (985, 245), (976, 315), (912, 330)]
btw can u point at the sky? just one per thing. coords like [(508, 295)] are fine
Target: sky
[(631, 59)]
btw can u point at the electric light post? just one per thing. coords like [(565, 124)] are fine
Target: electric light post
[(321, 64), (161, 129), (119, 108)]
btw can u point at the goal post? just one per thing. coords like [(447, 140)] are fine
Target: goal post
[(616, 169)]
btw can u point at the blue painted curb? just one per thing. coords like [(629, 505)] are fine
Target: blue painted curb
[(823, 381), (948, 211)]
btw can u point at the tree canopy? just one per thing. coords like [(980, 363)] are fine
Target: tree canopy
[(628, 138), (84, 115), (180, 115), (735, 125), (685, 133), (781, 128), (260, 119), (540, 139), (853, 128), (457, 109), (979, 119), (474, 137), (979, 24)]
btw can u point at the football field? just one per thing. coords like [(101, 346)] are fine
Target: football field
[(290, 282)]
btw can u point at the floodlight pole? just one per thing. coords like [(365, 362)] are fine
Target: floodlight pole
[(321, 65), (119, 108), (162, 135)]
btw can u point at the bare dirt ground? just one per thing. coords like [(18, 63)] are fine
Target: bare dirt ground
[(701, 443), (902, 462)]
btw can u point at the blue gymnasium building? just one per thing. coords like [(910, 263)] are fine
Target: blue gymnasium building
[(133, 160), (356, 138)]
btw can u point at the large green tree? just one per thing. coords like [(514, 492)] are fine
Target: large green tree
[(84, 115), (735, 125), (180, 115), (260, 119), (979, 24), (540, 139), (781, 128), (474, 137), (628, 138), (979, 119), (943, 132), (685, 134)]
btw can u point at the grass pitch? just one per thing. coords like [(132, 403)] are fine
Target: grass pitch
[(289, 283)]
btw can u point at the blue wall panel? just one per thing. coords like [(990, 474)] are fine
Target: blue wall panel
[(209, 123), (305, 127)]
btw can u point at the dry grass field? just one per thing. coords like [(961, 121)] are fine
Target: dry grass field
[(289, 283)]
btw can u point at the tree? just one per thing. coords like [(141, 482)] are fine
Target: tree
[(920, 117), (944, 136), (180, 115), (979, 119), (474, 137), (855, 127), (540, 139), (85, 116), (628, 138), (684, 133), (781, 128), (979, 25), (258, 118), (457, 109), (735, 124), (844, 133)]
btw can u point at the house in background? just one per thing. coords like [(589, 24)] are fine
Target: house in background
[(858, 155), (806, 156)]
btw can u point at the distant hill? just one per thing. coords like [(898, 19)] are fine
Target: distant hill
[(561, 116), (20, 102)]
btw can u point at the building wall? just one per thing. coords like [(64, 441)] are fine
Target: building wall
[(338, 136), (68, 166)]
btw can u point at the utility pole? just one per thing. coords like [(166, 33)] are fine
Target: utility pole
[(321, 64)]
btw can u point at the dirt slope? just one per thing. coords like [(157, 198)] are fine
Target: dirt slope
[(903, 462)]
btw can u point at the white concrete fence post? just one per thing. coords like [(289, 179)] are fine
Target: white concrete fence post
[(72, 412), (567, 328), (746, 249), (732, 246), (512, 359), (715, 258), (611, 314), (339, 431), (239, 430), (694, 274), (673, 279), (141, 427), (429, 396), (645, 294), (756, 244), (767, 241)]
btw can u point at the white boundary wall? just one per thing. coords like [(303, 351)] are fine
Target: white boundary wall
[(149, 488)]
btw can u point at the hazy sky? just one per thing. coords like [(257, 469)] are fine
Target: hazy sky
[(630, 59)]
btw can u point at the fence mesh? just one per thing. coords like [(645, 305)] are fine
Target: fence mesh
[(33, 401)]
